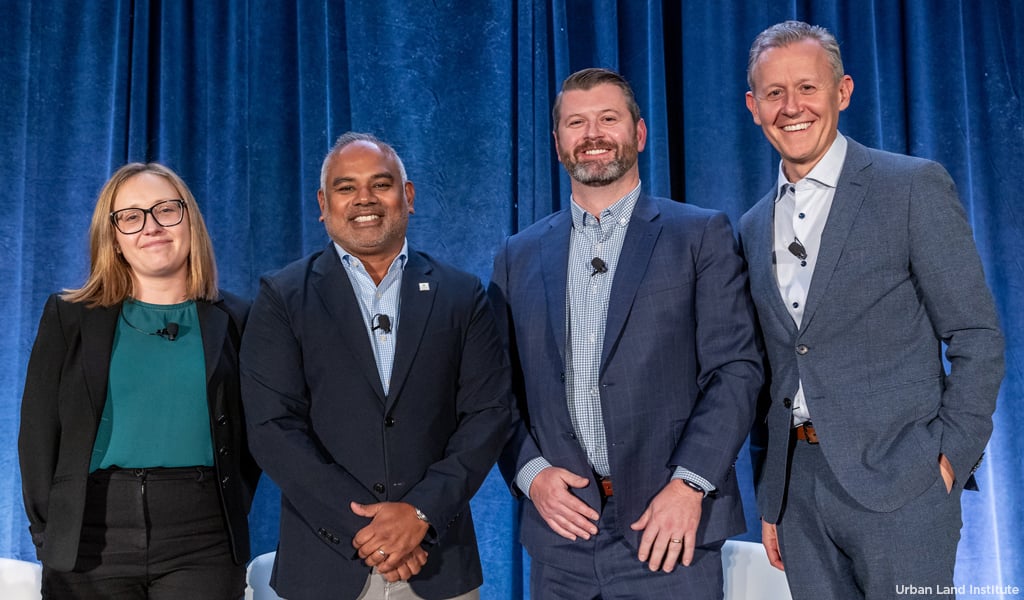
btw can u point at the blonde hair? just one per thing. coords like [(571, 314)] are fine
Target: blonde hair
[(110, 279)]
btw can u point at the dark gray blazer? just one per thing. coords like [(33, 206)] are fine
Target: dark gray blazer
[(65, 392), (679, 368), (897, 277), (325, 432)]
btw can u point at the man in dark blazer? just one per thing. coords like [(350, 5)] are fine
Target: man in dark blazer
[(377, 395), (630, 323), (862, 266)]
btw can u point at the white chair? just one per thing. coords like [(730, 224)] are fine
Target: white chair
[(20, 579), (748, 574), (257, 578)]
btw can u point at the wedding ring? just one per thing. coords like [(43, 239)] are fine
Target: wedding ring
[(675, 541), (381, 552)]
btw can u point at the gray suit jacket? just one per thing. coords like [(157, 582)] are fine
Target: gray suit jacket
[(898, 275)]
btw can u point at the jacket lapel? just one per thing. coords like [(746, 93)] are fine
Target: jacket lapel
[(850, 193), (98, 326), (213, 324), (418, 291), (554, 257), (341, 306), (637, 248)]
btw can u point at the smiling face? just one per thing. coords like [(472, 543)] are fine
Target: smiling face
[(156, 252), (366, 205), (796, 101), (596, 138)]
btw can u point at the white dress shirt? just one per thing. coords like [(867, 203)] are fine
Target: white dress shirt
[(801, 211)]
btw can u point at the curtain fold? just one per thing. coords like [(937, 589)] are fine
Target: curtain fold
[(243, 98)]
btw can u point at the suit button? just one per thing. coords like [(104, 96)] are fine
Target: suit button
[(223, 451), (802, 349), (222, 420), (321, 532), (224, 481), (788, 403), (378, 487), (389, 422)]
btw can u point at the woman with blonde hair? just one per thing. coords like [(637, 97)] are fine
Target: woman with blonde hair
[(136, 476)]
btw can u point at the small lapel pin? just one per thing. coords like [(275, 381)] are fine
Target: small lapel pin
[(424, 286)]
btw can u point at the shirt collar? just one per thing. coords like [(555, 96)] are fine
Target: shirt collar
[(619, 212), (351, 262), (826, 172)]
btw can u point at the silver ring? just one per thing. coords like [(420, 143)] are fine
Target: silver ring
[(675, 541), (381, 552)]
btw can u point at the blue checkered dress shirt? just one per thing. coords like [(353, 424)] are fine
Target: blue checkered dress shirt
[(587, 296), (376, 299)]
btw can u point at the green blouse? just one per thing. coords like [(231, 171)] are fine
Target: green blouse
[(156, 411)]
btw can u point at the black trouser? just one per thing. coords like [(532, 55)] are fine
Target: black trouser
[(151, 534)]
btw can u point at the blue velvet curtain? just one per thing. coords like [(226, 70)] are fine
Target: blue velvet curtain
[(243, 98)]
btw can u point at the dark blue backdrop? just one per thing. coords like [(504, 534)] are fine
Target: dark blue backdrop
[(244, 97)]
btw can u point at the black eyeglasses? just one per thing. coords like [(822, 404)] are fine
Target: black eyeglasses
[(167, 213), (797, 249)]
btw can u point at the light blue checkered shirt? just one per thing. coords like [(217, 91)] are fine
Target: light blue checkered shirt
[(587, 296), (376, 299)]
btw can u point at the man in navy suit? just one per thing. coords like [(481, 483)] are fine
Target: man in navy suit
[(862, 266), (376, 391), (630, 324)]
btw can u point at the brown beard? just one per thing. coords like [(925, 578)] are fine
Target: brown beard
[(599, 175)]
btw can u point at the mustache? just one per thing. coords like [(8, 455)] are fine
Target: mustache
[(595, 145)]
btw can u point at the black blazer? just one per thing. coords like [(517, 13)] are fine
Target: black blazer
[(65, 391), (323, 429)]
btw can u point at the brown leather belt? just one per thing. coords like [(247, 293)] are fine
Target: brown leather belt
[(805, 433), (606, 486)]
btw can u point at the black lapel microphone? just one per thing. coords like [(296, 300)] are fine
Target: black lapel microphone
[(383, 323), (599, 266), (169, 333), (797, 249)]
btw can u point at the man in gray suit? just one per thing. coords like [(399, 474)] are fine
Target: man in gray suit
[(862, 265)]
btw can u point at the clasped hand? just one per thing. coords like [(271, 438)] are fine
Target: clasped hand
[(391, 542)]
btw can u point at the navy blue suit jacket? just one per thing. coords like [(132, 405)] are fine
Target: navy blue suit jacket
[(323, 429), (897, 275), (679, 369)]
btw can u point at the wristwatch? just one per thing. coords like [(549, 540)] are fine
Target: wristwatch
[(691, 485), (421, 516)]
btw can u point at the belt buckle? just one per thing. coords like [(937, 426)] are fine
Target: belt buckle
[(606, 486)]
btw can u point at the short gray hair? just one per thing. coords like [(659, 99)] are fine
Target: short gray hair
[(790, 32)]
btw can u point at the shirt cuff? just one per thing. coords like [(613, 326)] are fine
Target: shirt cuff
[(688, 475), (524, 479)]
